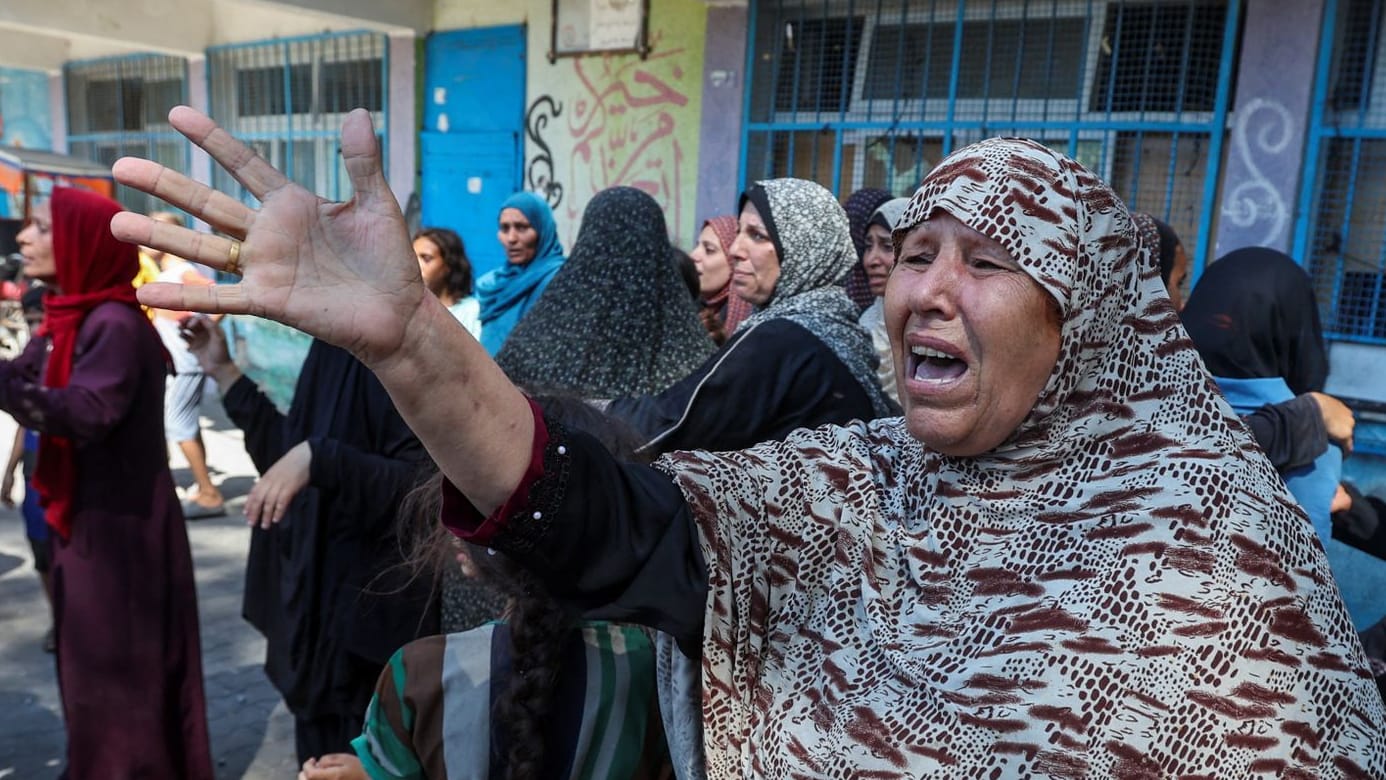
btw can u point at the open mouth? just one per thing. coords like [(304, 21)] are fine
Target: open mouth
[(927, 364)]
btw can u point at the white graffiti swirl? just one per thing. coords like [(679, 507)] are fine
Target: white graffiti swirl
[(1263, 128)]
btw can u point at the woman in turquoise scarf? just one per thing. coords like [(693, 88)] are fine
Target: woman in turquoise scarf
[(533, 255)]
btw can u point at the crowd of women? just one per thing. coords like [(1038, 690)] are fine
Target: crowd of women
[(938, 486)]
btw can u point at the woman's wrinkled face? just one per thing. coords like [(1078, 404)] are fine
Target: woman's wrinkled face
[(975, 338), (431, 265), (755, 266), (878, 259), (36, 245), (520, 239), (714, 270)]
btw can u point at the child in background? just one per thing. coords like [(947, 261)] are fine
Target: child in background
[(25, 450)]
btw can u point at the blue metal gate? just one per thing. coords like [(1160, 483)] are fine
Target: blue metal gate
[(1341, 228), (474, 93), (873, 93)]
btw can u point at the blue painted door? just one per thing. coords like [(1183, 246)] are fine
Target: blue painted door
[(473, 152)]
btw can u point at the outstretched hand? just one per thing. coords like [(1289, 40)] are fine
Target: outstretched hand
[(343, 272)]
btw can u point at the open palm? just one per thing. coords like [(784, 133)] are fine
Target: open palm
[(343, 272)]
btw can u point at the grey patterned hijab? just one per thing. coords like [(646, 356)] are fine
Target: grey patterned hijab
[(811, 233), (888, 214), (617, 318)]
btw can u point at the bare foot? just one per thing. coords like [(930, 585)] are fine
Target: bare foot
[(212, 498)]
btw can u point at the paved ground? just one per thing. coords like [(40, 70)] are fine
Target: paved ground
[(252, 733)]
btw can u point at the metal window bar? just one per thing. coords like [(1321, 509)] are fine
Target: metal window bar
[(118, 106), (1139, 91), (1340, 230), (286, 98)]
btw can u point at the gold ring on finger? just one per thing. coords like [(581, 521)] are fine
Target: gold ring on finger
[(233, 260)]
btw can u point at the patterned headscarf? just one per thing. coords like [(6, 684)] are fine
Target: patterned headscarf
[(617, 319), (737, 309), (860, 206), (507, 293), (1159, 239), (810, 233), (1124, 588), (1147, 234), (889, 213)]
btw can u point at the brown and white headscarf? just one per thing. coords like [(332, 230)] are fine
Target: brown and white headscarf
[(1122, 589)]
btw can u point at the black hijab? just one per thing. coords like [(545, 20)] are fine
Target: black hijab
[(617, 318), (1253, 315)]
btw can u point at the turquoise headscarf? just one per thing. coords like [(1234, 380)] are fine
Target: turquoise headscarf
[(506, 293)]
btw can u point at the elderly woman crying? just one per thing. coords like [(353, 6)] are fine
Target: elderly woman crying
[(1065, 560)]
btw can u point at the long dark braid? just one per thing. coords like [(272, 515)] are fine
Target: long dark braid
[(538, 625)]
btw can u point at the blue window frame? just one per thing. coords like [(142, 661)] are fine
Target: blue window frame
[(287, 97), (873, 93), (118, 106), (1342, 212)]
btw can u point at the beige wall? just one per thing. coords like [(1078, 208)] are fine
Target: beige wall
[(464, 14)]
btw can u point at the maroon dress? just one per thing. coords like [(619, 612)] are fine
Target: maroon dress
[(125, 606)]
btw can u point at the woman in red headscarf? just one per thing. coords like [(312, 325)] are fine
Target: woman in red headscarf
[(129, 661), (721, 309)]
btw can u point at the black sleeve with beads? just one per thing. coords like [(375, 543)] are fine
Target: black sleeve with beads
[(613, 540)]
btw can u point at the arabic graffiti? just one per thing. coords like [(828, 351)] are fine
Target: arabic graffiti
[(539, 170), (628, 122)]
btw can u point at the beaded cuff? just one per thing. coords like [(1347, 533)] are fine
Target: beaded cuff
[(524, 530)]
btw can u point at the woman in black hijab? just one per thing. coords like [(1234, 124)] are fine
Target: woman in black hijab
[(1254, 315), (1255, 322), (617, 319)]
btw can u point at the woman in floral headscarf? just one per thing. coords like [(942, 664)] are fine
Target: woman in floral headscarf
[(125, 607), (860, 207), (799, 360), (1066, 559)]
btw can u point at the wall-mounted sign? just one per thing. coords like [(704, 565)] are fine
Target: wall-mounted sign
[(593, 26)]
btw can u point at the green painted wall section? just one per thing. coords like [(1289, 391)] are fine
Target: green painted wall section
[(603, 120)]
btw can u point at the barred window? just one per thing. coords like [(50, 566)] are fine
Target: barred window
[(1159, 57), (854, 94), (1356, 51), (119, 106), (821, 56), (286, 99), (1003, 58), (274, 91), (1346, 245)]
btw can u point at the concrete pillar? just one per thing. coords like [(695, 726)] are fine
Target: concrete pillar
[(57, 107), (1265, 145), (200, 165), (403, 135), (724, 84)]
